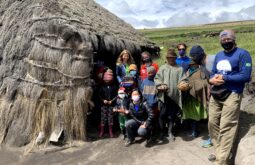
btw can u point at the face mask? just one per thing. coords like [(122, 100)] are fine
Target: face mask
[(146, 59), (227, 45), (151, 77), (135, 98), (122, 95), (132, 72), (182, 52)]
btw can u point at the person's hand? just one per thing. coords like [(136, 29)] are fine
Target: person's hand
[(183, 86), (217, 80), (162, 88), (109, 102), (143, 125), (115, 110), (105, 101), (121, 110), (220, 77), (126, 111)]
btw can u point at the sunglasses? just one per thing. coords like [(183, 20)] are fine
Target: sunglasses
[(182, 49)]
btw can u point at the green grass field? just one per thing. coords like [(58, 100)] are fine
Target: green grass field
[(200, 35)]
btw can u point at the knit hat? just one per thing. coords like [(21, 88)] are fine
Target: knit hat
[(132, 67), (197, 54), (152, 70), (227, 34), (108, 75), (171, 53), (121, 90)]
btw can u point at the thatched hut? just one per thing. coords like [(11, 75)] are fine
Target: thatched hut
[(47, 48)]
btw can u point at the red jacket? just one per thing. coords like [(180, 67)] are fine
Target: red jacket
[(143, 70)]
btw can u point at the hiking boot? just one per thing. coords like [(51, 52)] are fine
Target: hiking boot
[(124, 135), (171, 137), (212, 157), (194, 128), (161, 136), (110, 131), (194, 134), (207, 143), (148, 142), (128, 142), (101, 133)]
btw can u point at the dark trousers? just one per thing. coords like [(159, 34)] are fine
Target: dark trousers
[(133, 130), (168, 114), (107, 115)]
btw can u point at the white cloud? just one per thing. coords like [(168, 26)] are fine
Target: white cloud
[(165, 13)]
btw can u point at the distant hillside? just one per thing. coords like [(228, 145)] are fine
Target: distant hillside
[(204, 35)]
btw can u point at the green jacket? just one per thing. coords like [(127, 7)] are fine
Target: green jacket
[(171, 76)]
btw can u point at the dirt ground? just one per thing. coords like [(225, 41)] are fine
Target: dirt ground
[(184, 151)]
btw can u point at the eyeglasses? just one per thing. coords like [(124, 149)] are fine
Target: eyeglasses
[(182, 49)]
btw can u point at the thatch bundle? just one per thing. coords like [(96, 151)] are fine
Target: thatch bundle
[(47, 49)]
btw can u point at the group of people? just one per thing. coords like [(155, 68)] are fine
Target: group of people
[(150, 99)]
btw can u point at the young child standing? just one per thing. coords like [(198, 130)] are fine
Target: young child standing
[(130, 81), (149, 91), (107, 95), (122, 104)]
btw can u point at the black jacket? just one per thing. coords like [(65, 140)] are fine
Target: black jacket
[(107, 92), (144, 114)]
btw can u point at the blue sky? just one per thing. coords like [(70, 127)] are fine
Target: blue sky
[(171, 13)]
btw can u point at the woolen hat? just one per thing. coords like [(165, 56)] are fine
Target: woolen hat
[(171, 53), (197, 54), (121, 90), (228, 34), (108, 75), (132, 67), (151, 69)]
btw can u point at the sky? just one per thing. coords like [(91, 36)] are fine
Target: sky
[(174, 13)]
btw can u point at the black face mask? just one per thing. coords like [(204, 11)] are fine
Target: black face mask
[(146, 60), (151, 77), (227, 45)]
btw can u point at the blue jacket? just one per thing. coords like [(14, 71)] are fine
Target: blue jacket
[(148, 89), (183, 62), (120, 72), (236, 67)]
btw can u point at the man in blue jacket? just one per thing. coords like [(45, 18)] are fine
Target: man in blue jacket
[(231, 70)]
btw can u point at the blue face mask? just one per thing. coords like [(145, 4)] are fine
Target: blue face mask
[(182, 52), (132, 72)]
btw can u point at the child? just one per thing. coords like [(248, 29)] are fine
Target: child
[(149, 91), (107, 95), (148, 88), (134, 73), (130, 82), (122, 104)]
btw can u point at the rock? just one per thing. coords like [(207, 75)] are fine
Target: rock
[(246, 151), (40, 138)]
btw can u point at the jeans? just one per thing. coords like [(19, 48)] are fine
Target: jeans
[(133, 129)]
